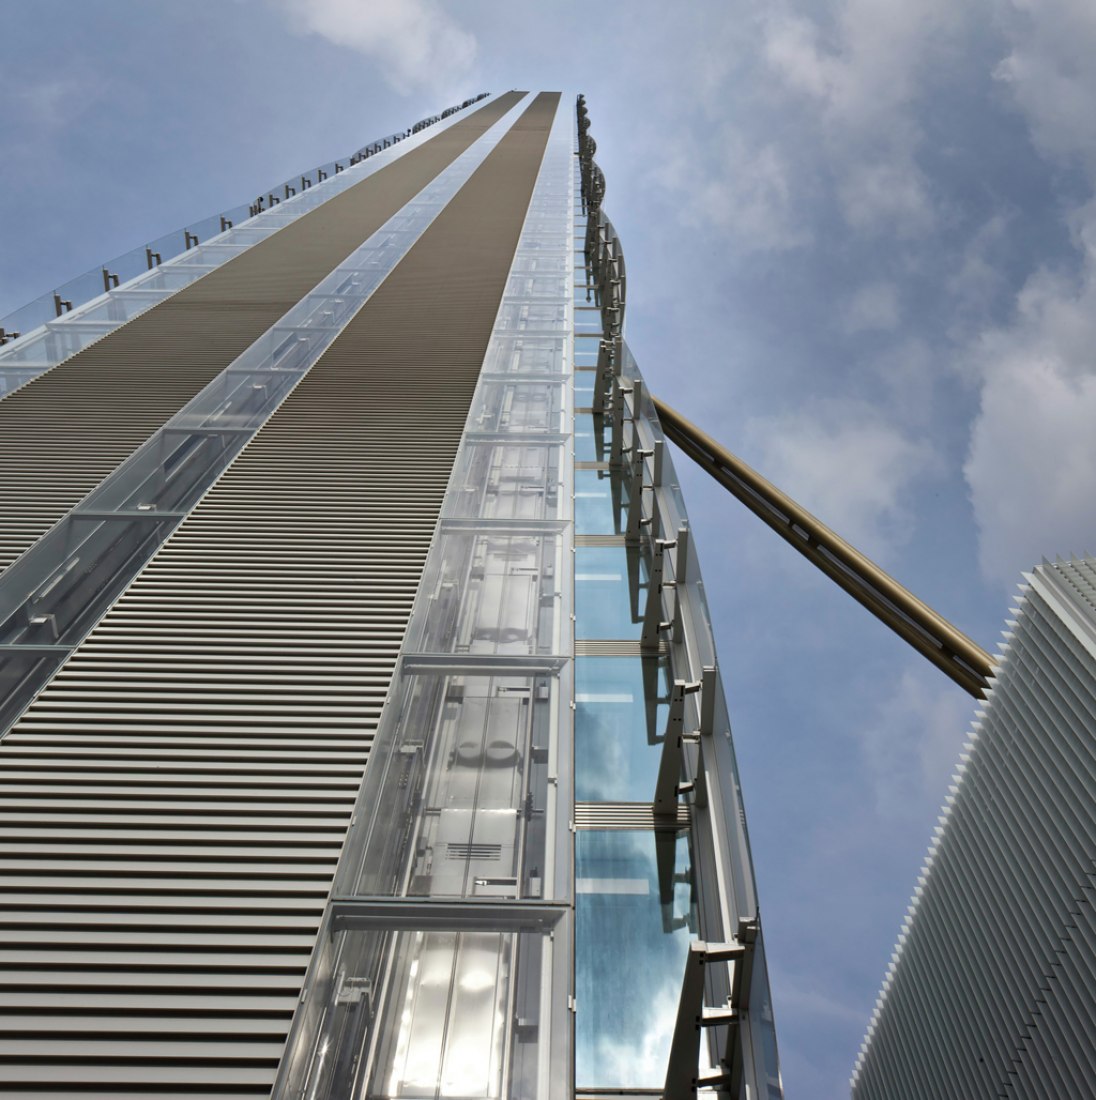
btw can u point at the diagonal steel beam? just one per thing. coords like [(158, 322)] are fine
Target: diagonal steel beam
[(929, 633)]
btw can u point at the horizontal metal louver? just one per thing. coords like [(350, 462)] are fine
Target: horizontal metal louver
[(63, 432), (173, 804)]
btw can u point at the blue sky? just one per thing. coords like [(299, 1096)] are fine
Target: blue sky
[(861, 243)]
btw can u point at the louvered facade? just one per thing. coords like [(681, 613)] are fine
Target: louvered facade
[(990, 990), (364, 733)]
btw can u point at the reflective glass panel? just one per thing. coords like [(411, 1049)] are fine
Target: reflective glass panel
[(609, 592), (635, 913), (620, 719), (584, 389), (598, 499), (592, 438)]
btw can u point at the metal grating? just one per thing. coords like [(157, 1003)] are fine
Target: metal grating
[(630, 815), (587, 647), (175, 800), (600, 540), (63, 432)]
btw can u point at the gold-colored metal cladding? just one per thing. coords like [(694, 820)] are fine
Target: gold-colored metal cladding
[(930, 634)]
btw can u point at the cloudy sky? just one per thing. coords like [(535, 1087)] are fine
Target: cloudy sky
[(861, 243)]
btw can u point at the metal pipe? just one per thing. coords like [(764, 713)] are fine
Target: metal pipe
[(930, 634)]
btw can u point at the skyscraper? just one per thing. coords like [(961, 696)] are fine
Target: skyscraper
[(990, 989), (368, 475)]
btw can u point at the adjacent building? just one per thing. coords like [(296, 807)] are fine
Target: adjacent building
[(366, 730), (990, 989)]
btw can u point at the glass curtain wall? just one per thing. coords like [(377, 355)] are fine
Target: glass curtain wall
[(663, 874)]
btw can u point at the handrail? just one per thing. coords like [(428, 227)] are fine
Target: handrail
[(119, 269), (929, 633)]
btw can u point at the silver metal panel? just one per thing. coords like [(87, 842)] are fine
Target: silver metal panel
[(990, 988)]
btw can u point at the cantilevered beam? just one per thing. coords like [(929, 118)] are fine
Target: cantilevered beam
[(930, 634)]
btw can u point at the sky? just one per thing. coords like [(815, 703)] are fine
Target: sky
[(861, 246)]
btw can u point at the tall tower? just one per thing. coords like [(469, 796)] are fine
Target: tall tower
[(990, 989), (366, 732)]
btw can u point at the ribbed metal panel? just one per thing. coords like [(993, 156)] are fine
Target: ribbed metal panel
[(600, 540), (992, 991), (174, 802), (630, 815), (62, 433), (595, 648)]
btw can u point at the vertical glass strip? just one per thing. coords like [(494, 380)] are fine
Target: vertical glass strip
[(662, 853)]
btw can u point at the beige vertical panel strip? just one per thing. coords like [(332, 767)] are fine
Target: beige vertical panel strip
[(62, 433), (173, 805)]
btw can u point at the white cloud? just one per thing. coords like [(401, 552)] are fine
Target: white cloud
[(415, 43), (51, 104), (872, 308), (1050, 73), (791, 48), (1031, 468), (849, 466), (865, 67), (746, 193), (863, 75), (911, 745), (977, 281), (642, 1058), (887, 194)]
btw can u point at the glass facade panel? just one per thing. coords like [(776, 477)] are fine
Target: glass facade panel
[(539, 317), (507, 481), (621, 710), (11, 378), (598, 500), (609, 594), (460, 793), (585, 353), (635, 913), (591, 439), (541, 264), (584, 389), (123, 305), (440, 1012), (587, 320), (553, 287), (493, 592), (526, 355), (526, 407)]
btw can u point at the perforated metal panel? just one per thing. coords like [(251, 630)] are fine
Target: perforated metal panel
[(175, 801)]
